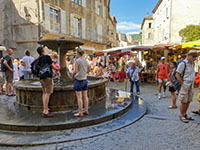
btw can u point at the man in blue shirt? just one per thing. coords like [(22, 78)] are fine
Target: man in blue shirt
[(133, 75)]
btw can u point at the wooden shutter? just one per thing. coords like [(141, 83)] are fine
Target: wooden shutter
[(83, 28), (63, 21), (47, 16), (72, 24), (99, 32), (84, 3)]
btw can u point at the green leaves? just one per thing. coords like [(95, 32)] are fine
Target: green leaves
[(190, 33)]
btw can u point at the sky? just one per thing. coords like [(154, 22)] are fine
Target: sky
[(130, 13)]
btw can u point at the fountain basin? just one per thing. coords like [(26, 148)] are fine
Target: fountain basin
[(29, 95)]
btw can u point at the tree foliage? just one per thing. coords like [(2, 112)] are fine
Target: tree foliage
[(190, 33)]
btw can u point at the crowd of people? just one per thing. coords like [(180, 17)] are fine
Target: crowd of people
[(179, 76)]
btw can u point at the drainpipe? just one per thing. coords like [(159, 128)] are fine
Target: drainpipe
[(39, 26), (170, 22)]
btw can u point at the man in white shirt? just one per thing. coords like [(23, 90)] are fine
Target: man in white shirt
[(27, 60), (133, 75)]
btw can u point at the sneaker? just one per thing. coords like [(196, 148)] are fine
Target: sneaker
[(138, 93), (164, 96), (159, 97)]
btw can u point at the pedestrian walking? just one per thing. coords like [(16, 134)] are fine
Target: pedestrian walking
[(9, 72), (187, 83), (27, 60), (44, 62), (133, 75), (162, 76), (81, 83)]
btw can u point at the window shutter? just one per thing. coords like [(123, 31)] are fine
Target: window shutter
[(83, 28), (96, 6), (99, 32), (147, 35), (47, 16), (84, 3), (63, 21), (72, 24), (103, 11)]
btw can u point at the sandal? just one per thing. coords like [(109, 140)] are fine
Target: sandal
[(188, 117), (196, 112), (86, 113), (47, 115), (78, 115), (183, 119), (172, 107)]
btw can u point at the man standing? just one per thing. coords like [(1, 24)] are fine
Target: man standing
[(27, 60), (46, 81), (9, 72), (162, 76), (185, 74), (133, 75)]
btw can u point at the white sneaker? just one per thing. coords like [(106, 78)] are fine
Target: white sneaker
[(164, 96), (159, 97)]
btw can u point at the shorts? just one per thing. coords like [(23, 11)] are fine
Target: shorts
[(2, 80), (171, 89), (80, 85), (9, 76), (47, 85), (162, 80), (186, 93)]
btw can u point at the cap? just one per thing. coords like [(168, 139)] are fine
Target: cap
[(162, 58)]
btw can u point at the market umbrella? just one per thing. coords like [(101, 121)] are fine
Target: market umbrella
[(2, 48)]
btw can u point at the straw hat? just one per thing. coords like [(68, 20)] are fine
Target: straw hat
[(193, 52)]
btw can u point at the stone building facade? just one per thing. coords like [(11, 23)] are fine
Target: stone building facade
[(147, 31), (170, 16), (23, 23)]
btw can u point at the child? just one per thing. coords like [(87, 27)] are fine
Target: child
[(21, 71)]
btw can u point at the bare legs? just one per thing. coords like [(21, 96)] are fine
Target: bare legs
[(45, 100), (184, 108), (82, 97), (8, 88)]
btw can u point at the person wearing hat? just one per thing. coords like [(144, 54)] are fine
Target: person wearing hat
[(185, 75), (162, 76)]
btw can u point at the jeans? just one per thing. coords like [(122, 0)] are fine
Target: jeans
[(137, 83)]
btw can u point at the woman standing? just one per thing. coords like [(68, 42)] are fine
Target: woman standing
[(81, 83), (173, 66)]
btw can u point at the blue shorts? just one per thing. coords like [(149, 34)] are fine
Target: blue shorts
[(80, 85)]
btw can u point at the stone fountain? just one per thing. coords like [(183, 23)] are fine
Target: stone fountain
[(29, 92)]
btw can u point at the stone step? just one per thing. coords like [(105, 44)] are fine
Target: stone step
[(15, 119), (21, 139)]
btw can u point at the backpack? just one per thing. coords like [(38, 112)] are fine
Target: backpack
[(176, 84), (35, 68), (3, 67), (45, 71)]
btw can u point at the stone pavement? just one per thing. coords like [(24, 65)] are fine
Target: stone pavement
[(160, 129)]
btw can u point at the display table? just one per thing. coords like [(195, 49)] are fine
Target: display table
[(147, 77)]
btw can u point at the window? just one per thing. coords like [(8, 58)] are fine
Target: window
[(77, 1), (99, 8), (150, 25), (149, 35), (54, 20)]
